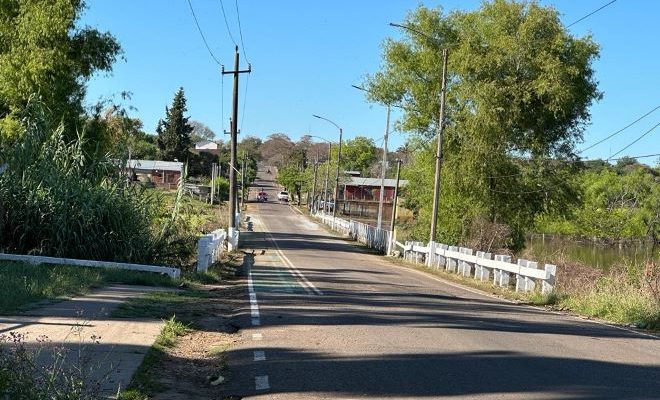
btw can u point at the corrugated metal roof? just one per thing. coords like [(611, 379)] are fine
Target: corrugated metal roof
[(153, 165), (360, 181)]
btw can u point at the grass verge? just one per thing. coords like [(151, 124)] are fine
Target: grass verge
[(22, 285)]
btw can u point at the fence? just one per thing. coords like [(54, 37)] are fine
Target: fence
[(209, 248), (372, 237), (172, 272), (524, 274)]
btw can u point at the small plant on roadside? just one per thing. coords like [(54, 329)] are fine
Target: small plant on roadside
[(44, 371)]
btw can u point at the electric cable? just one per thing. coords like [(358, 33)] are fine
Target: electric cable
[(199, 29)]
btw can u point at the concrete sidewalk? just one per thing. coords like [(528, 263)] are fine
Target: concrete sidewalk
[(110, 349)]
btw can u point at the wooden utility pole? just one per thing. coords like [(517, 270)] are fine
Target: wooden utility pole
[(396, 194), (438, 155), (379, 224), (327, 175), (316, 169), (234, 139)]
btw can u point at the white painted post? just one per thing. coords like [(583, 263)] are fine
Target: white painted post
[(548, 284), (484, 272), (530, 285), (520, 280), (501, 277), (451, 262), (467, 266), (440, 259), (430, 257)]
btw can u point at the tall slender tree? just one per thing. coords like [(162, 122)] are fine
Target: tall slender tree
[(174, 131)]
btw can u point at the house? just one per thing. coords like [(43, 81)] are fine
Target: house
[(207, 146), (160, 173), (359, 188)]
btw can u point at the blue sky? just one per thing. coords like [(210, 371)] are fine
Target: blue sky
[(306, 55)]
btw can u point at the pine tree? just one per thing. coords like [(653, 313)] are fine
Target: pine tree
[(174, 132)]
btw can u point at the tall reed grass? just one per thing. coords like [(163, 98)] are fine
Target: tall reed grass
[(57, 201)]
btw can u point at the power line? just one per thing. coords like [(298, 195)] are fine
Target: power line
[(590, 14), (240, 31), (222, 6), (619, 131), (636, 140), (548, 188), (199, 29)]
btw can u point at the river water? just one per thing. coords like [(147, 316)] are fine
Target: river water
[(549, 249)]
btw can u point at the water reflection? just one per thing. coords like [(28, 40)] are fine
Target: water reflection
[(550, 249)]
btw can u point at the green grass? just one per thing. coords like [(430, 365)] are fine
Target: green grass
[(144, 381), (22, 285)]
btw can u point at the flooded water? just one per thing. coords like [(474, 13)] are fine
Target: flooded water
[(547, 249)]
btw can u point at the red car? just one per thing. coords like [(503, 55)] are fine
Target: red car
[(262, 196)]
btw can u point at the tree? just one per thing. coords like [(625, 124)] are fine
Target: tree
[(276, 149), (252, 146), (200, 132), (358, 154), (44, 53), (519, 91), (174, 132)]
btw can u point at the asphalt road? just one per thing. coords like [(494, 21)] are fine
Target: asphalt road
[(328, 320)]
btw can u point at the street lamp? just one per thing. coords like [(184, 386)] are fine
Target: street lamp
[(336, 202), (440, 127), (381, 199)]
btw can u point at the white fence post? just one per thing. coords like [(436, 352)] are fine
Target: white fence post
[(548, 284)]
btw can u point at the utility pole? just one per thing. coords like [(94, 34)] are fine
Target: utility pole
[(212, 182), (243, 181), (438, 155), (379, 224), (234, 139), (316, 169), (336, 200), (396, 195), (327, 175)]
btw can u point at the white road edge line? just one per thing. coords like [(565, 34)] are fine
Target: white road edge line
[(261, 382), (259, 355)]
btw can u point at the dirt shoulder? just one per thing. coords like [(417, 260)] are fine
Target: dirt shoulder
[(191, 363)]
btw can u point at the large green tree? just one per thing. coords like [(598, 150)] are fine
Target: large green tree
[(43, 53), (174, 131), (519, 90), (358, 154)]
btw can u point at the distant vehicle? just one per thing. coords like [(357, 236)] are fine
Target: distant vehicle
[(262, 196), (283, 196)]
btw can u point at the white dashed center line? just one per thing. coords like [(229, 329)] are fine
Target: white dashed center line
[(259, 355), (261, 382)]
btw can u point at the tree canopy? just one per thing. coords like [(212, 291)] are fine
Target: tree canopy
[(44, 53), (518, 92)]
